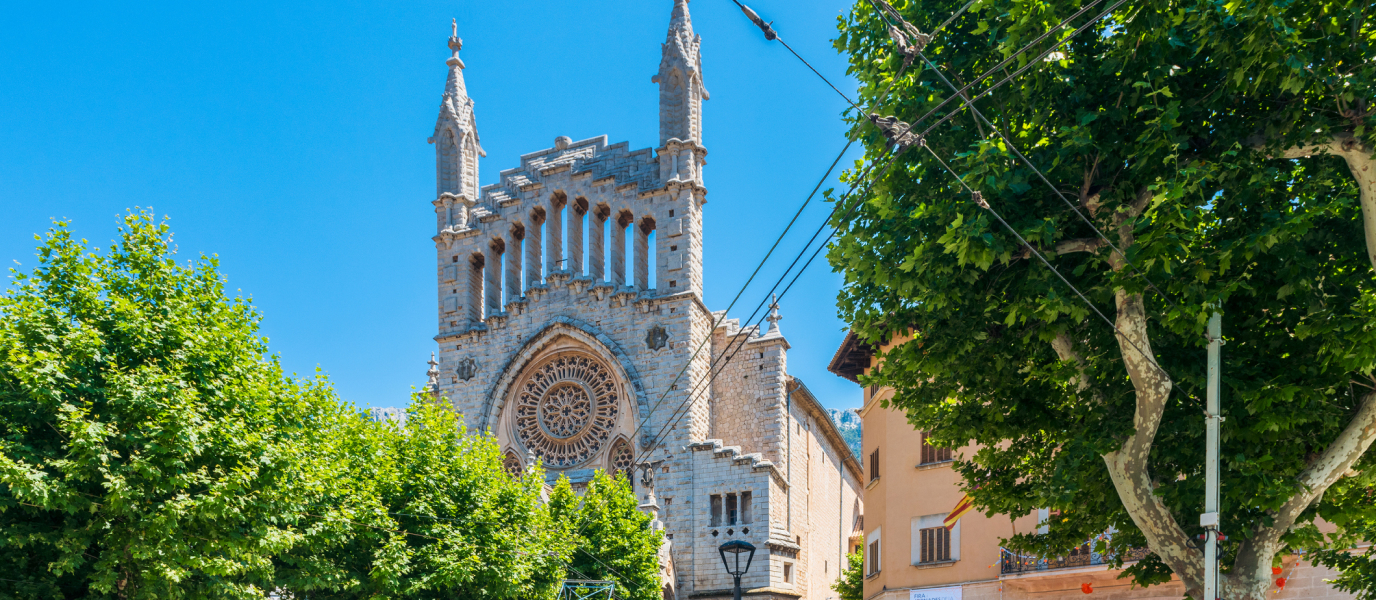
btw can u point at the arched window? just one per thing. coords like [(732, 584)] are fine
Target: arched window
[(512, 465), (495, 250), (473, 302), (597, 247), (619, 459)]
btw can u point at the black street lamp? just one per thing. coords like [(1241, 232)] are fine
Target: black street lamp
[(736, 548)]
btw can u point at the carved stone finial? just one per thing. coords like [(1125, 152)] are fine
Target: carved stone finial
[(456, 28), (433, 386), (774, 317)]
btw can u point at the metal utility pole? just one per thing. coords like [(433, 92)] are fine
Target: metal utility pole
[(1209, 520)]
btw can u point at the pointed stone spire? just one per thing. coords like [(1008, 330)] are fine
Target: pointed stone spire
[(774, 317), (681, 90), (433, 386), (455, 86), (457, 146)]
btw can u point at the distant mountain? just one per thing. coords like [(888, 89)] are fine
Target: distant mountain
[(848, 421)]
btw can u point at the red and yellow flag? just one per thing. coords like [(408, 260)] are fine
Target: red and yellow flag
[(962, 507)]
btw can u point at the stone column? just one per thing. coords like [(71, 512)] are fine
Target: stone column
[(597, 259), (619, 250), (578, 214), (554, 235), (642, 252), (513, 268), (533, 240)]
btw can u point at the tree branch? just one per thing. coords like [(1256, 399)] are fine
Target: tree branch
[(1129, 466), (1254, 557), (1071, 247), (1363, 166)]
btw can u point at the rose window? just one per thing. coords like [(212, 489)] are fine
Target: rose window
[(566, 409)]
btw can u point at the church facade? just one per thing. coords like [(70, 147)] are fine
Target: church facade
[(572, 326)]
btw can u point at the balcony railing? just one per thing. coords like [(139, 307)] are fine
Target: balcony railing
[(1013, 563)]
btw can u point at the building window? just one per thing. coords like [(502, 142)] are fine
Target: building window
[(933, 542), (730, 509), (936, 544), (874, 465), (932, 454), (788, 572), (872, 554)]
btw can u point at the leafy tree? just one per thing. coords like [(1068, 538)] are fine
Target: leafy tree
[(149, 446), (428, 512), (851, 585), (1226, 150), (613, 537)]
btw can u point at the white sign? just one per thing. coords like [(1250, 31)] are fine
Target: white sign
[(946, 593)]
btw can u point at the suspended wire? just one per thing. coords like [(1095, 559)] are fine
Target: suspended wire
[(690, 395), (739, 294), (743, 336), (1042, 176), (1020, 70), (953, 17), (902, 136), (978, 198), (770, 34)]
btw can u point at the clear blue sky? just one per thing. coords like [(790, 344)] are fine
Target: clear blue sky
[(289, 139)]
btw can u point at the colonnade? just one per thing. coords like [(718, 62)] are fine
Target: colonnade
[(541, 244)]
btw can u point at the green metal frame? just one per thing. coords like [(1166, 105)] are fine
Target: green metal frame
[(584, 589)]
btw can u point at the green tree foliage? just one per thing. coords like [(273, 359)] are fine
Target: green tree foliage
[(613, 537), (429, 513), (149, 447), (1226, 148), (851, 585)]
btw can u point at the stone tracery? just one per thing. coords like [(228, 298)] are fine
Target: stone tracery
[(566, 409)]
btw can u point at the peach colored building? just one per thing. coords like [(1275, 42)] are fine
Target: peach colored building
[(909, 488)]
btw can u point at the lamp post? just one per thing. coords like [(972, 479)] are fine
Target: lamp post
[(736, 548)]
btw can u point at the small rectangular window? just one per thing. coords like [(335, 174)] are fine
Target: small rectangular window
[(874, 465), (671, 212), (673, 283), (716, 510), (731, 512), (872, 557), (788, 573), (932, 454), (936, 544), (673, 248), (745, 508)]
